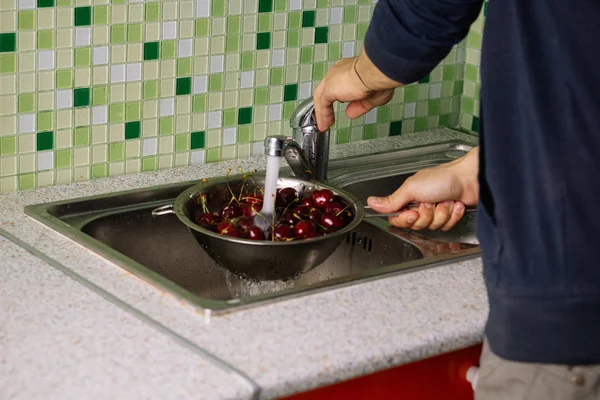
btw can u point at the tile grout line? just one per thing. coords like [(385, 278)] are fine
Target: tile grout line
[(204, 354)]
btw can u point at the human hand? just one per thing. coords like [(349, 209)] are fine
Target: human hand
[(443, 192)]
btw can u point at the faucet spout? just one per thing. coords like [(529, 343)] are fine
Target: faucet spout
[(283, 146)]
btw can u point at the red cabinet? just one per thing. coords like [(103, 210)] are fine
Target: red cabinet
[(440, 377)]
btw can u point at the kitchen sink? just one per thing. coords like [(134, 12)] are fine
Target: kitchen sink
[(161, 251)]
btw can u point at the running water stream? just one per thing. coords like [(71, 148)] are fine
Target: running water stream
[(264, 220)]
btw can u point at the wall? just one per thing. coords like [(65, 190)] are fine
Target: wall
[(92, 88)]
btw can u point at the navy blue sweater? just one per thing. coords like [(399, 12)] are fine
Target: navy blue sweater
[(539, 209)]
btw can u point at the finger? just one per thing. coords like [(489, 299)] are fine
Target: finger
[(441, 215), (458, 211), (323, 108), (392, 203), (405, 220), (425, 216), (358, 108)]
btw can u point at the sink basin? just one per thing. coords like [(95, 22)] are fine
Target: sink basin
[(161, 251)]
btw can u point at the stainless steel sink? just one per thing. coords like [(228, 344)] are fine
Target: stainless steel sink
[(161, 251)]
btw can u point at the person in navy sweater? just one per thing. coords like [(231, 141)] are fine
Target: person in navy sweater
[(534, 175)]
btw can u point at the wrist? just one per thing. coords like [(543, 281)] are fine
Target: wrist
[(467, 170), (371, 76)]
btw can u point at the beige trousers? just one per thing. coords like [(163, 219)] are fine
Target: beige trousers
[(501, 379)]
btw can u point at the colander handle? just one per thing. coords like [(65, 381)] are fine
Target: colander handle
[(163, 210)]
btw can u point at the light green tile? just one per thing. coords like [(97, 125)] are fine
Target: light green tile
[(45, 39), (81, 136), (168, 49), (100, 15), (64, 158), (133, 111), (99, 171), (184, 67), (149, 163), (215, 83), (26, 103), (165, 126), (116, 112), (213, 155), (199, 103), (99, 95), (26, 181), (182, 142), (45, 121), (116, 151)]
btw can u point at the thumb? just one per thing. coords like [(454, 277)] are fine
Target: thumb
[(388, 204)]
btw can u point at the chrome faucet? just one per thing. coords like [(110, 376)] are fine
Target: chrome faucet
[(307, 151)]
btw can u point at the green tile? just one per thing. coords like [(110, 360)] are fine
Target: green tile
[(26, 19), (99, 171), (215, 83), (202, 27), (319, 70), (199, 103), (293, 38), (81, 97), (45, 39), (265, 22), (234, 25), (361, 31), (434, 107), (334, 51), (26, 181), (471, 72), (83, 16), (168, 49), (245, 116), (133, 111), (150, 90), (474, 40), (68, 3), (182, 142), (99, 95), (449, 72), (265, 6), (184, 67), (118, 33), (8, 42), (81, 136), (383, 114), (218, 8), (458, 88), (165, 126), (151, 51), (395, 128), (244, 134), (8, 63), (247, 61), (350, 14), (100, 15), (132, 129), (116, 151), (229, 117), (263, 40), (64, 158), (277, 75), (149, 163), (467, 105), (288, 109), (308, 18), (64, 78), (198, 140), (83, 57), (116, 112), (290, 92), (420, 124), (45, 3), (232, 44), (8, 145), (183, 86), (294, 20), (485, 7), (475, 124), (343, 136), (410, 93), (26, 103), (322, 3), (152, 11), (135, 33), (45, 120), (306, 55), (213, 155), (280, 5), (370, 131), (445, 120), (425, 79), (261, 95), (45, 141)]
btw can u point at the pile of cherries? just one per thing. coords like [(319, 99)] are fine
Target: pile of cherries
[(296, 217)]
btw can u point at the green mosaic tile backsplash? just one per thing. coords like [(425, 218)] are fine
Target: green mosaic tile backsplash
[(92, 88)]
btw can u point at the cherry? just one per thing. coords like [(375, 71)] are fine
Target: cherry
[(311, 235), (230, 211), (304, 228), (234, 233), (322, 197), (250, 210), (334, 207), (315, 215), (288, 218), (255, 233), (307, 201), (205, 219), (331, 222), (245, 223), (302, 210), (288, 194), (282, 232), (279, 201), (224, 227), (253, 199)]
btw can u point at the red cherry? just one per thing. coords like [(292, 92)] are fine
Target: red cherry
[(315, 215), (245, 223), (311, 235), (302, 210), (322, 197), (253, 199), (334, 207), (288, 194), (282, 232), (234, 233), (255, 233), (279, 201), (307, 201), (230, 211), (288, 218), (224, 227), (304, 228), (250, 210), (205, 219), (331, 222)]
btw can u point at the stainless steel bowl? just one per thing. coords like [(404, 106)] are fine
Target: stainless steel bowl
[(262, 260)]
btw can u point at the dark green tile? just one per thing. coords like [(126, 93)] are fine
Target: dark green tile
[(183, 86), (396, 128), (475, 124), (8, 42), (290, 92), (308, 18), (244, 116), (265, 6), (151, 51), (321, 34), (83, 16), (263, 40), (421, 124), (132, 129), (425, 79), (485, 7), (81, 97), (45, 141), (45, 3), (445, 120), (198, 140)]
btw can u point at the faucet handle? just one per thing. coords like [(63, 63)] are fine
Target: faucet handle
[(304, 115)]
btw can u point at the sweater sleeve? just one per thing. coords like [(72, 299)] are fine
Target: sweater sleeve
[(406, 39)]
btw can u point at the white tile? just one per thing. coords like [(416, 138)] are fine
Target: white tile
[(117, 73), (184, 48), (246, 79), (335, 15), (45, 59), (295, 5), (64, 99), (27, 4), (83, 36), (229, 136), (99, 114), (169, 28), (134, 72), (275, 112), (304, 90), (27, 123), (258, 149), (150, 147), (410, 110), (167, 107), (278, 58), (202, 8), (200, 84), (45, 160), (435, 90), (371, 116), (100, 55), (217, 63), (348, 50), (197, 157), (215, 119)]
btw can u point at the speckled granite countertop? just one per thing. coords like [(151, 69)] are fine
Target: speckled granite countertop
[(73, 323)]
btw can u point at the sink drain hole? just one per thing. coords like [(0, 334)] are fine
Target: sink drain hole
[(357, 239)]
